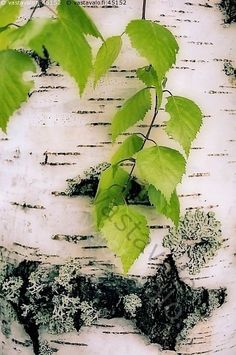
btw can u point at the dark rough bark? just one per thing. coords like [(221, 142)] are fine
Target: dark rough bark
[(229, 9), (164, 308)]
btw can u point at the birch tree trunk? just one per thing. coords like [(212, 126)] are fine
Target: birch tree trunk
[(74, 133)]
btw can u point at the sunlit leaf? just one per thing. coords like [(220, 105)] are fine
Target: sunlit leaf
[(133, 110), (9, 12), (185, 121), (72, 11), (149, 77), (155, 43), (32, 35), (126, 233), (109, 193), (128, 148), (161, 167), (13, 88), (106, 56), (169, 209)]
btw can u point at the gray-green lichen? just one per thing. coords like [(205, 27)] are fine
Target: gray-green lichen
[(44, 348), (59, 299), (198, 315), (67, 273), (53, 287), (62, 316), (39, 281), (3, 272), (7, 316), (9, 291), (11, 288), (131, 303), (198, 237), (88, 313), (229, 69)]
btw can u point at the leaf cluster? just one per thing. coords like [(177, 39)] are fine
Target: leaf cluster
[(65, 37)]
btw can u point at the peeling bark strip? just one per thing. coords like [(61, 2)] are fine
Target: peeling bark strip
[(61, 299)]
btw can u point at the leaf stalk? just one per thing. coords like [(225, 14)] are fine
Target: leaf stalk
[(144, 9)]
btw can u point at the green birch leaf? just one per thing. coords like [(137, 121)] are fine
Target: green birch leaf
[(133, 110), (32, 35), (13, 88), (109, 193), (185, 121), (126, 233), (103, 204), (110, 176), (106, 56), (161, 167), (9, 13), (2, 29), (64, 40), (170, 210), (149, 77), (73, 12), (155, 43), (128, 148), (67, 33), (68, 46), (5, 41)]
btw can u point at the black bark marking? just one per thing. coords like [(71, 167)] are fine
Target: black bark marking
[(105, 99), (57, 154), (61, 153), (89, 146), (76, 239), (190, 195), (67, 343), (80, 112), (95, 124), (199, 175), (57, 164), (28, 205)]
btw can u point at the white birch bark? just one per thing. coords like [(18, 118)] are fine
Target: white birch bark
[(75, 134)]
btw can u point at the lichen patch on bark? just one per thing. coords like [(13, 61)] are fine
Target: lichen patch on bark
[(61, 299)]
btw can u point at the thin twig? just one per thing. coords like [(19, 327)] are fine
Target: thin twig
[(34, 9), (143, 135), (40, 3), (168, 92), (144, 142), (50, 9), (152, 140), (144, 10), (128, 159), (152, 122), (13, 24)]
